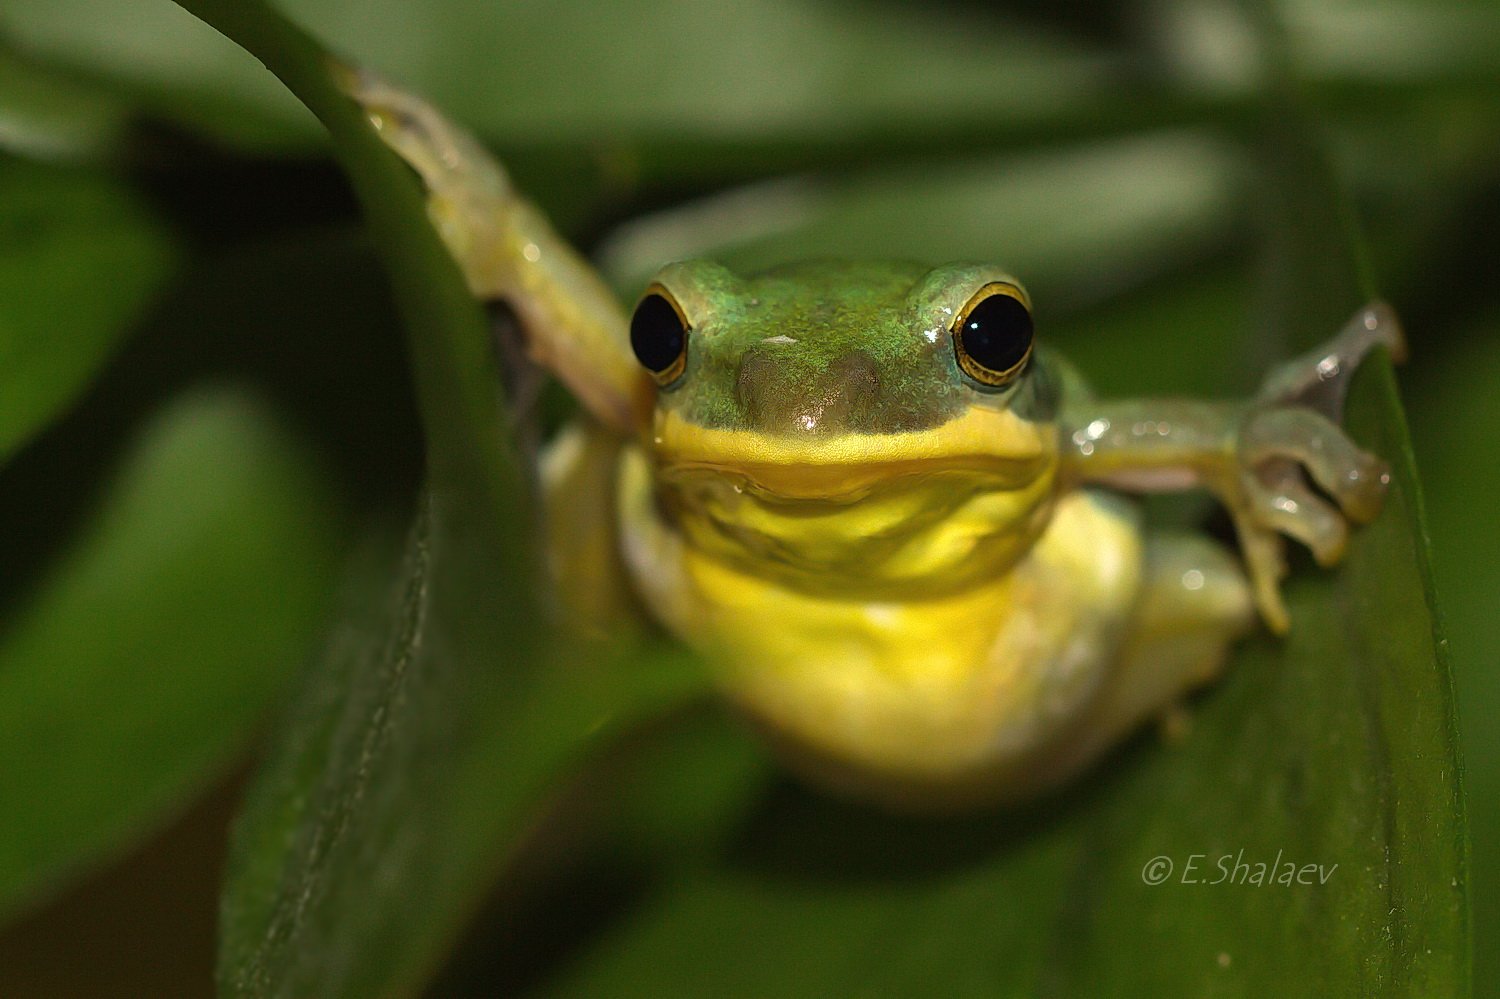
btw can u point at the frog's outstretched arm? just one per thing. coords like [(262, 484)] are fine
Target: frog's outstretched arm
[(571, 322), (1253, 455)]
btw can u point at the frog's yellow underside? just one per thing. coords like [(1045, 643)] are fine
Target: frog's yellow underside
[(860, 491), (934, 689)]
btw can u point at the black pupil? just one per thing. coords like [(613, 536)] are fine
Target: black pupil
[(997, 333), (656, 333)]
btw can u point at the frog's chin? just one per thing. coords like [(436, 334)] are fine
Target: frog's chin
[(810, 491), (865, 515)]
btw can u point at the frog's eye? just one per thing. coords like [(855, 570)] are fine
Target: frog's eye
[(659, 335), (992, 335)]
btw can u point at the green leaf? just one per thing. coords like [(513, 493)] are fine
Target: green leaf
[(420, 743), (1090, 220), (1454, 405), (800, 70), (136, 666), (571, 80), (669, 88), (80, 259), (408, 771), (159, 59), (48, 116)]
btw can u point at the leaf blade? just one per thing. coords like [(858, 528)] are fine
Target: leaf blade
[(387, 805), (80, 260), (106, 709)]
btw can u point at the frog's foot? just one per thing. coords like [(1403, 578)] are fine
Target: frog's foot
[(1278, 448), (452, 165), (567, 320), (1290, 435)]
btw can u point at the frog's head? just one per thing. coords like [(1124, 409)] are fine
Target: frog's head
[(868, 427)]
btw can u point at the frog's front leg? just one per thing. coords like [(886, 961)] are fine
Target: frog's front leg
[(571, 322), (1255, 456)]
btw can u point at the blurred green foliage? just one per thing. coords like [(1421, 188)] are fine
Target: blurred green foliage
[(209, 389)]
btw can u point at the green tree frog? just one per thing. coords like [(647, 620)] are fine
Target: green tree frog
[(889, 514)]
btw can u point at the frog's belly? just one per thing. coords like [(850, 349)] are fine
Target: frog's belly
[(934, 691)]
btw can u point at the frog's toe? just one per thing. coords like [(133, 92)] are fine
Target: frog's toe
[(1264, 552), (1320, 379), (1361, 485), (1284, 503), (1354, 479), (371, 91)]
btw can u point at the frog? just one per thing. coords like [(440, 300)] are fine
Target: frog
[(901, 527)]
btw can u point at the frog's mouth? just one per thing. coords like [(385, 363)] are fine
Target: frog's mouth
[(1008, 452), (860, 513)]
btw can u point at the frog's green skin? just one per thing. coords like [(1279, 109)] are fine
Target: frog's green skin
[(913, 582)]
